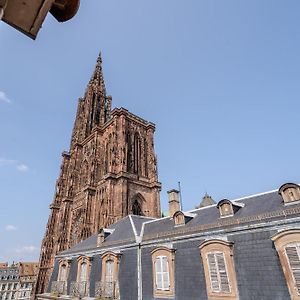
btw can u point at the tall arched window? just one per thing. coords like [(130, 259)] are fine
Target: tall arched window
[(287, 244), (136, 148), (83, 272), (109, 271), (63, 273), (220, 277), (136, 208), (109, 277), (163, 272)]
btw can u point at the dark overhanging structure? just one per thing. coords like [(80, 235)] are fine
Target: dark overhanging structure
[(28, 16)]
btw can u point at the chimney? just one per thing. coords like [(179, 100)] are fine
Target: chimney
[(100, 237), (174, 202)]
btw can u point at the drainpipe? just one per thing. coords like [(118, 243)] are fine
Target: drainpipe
[(139, 272)]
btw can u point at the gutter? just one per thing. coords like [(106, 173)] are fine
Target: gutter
[(139, 272)]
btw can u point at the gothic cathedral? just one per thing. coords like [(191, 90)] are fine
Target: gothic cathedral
[(109, 172)]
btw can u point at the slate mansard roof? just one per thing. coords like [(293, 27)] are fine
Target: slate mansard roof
[(260, 208)]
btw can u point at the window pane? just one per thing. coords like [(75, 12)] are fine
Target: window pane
[(165, 267), (158, 264), (159, 281), (212, 266), (62, 273), (166, 281), (224, 282), (83, 269), (109, 271)]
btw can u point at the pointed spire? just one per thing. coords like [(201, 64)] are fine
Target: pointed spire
[(97, 76)]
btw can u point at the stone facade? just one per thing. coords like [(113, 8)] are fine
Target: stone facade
[(108, 173), (18, 280)]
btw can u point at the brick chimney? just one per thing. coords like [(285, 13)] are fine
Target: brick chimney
[(100, 237), (174, 202)]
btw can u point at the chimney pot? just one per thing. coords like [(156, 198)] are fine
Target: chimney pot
[(174, 202)]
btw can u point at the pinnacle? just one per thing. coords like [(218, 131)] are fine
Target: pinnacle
[(97, 76)]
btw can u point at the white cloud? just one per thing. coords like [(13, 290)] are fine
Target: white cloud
[(4, 98), (10, 227), (22, 168), (27, 250), (19, 166)]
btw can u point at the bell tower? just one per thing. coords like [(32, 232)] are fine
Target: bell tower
[(108, 173)]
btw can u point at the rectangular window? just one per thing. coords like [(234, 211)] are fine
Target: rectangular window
[(293, 255), (162, 273), (218, 273)]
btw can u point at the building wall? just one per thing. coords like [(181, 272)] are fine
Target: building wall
[(189, 273), (128, 275), (14, 285), (258, 270), (95, 274)]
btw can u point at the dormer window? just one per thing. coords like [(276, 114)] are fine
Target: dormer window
[(228, 208), (290, 193), (103, 234), (181, 218)]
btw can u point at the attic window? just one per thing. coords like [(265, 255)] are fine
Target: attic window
[(290, 193), (228, 208), (103, 234), (181, 218)]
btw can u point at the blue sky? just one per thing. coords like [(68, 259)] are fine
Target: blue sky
[(219, 78)]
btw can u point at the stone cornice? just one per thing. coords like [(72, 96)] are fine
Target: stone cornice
[(133, 117)]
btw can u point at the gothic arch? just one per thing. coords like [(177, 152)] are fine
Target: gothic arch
[(137, 205), (136, 153)]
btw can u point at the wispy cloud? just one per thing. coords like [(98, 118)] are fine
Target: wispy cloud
[(4, 98), (22, 168), (27, 250), (12, 162), (5, 162), (10, 227)]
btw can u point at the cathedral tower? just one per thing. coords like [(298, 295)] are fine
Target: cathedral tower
[(109, 172)]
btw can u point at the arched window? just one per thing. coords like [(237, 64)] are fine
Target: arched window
[(163, 272), (109, 271), (83, 272), (137, 152), (287, 244), (146, 157), (63, 273), (109, 277), (136, 208), (217, 258)]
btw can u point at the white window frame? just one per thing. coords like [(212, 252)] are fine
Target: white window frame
[(160, 259)]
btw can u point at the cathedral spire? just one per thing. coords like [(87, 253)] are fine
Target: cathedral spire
[(97, 77)]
